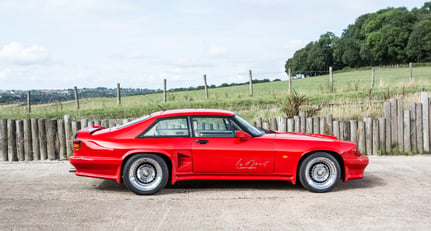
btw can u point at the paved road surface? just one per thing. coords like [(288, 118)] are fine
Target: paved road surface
[(394, 195)]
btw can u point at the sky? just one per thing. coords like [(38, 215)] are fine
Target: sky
[(59, 44)]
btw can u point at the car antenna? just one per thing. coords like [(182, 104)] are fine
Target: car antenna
[(163, 109)]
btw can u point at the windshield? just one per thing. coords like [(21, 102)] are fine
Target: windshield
[(134, 121), (248, 127)]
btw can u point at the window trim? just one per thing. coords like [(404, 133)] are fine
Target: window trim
[(230, 118), (142, 134)]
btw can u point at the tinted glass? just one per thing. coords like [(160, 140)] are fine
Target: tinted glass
[(175, 127)]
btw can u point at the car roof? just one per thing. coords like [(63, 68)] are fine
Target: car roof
[(184, 112)]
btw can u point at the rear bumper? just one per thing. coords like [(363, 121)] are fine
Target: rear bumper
[(354, 167), (98, 167)]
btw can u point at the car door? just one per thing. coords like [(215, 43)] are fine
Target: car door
[(216, 149), (170, 136)]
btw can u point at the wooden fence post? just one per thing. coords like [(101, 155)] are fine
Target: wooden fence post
[(259, 122), (76, 126), (361, 137), (84, 124), (382, 135), (206, 86), (393, 120), (29, 101), (369, 135), (3, 140), (165, 98), (407, 135), (273, 124), (411, 71), (413, 134), (388, 131), (419, 128), (290, 125), (329, 122), (69, 134), (42, 139), (20, 140), (250, 86), (302, 117), (11, 141), (336, 129), (309, 125), (28, 148), (104, 123), (373, 76), (75, 90), (426, 121), (400, 117), (354, 131), (346, 130), (51, 136), (61, 134), (331, 79), (342, 127), (316, 125), (35, 139), (265, 125), (118, 94), (297, 121), (376, 137), (282, 124), (324, 126)]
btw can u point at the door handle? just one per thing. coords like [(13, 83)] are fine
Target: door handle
[(202, 141)]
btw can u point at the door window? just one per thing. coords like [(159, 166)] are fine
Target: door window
[(213, 127), (172, 127)]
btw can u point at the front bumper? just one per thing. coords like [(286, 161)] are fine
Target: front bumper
[(354, 167)]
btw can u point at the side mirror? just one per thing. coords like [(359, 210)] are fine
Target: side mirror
[(242, 135)]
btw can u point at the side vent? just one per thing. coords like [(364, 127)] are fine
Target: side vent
[(184, 163)]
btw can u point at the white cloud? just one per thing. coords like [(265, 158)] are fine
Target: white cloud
[(17, 53), (217, 51)]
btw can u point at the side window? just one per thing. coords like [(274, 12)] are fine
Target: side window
[(173, 127), (212, 127)]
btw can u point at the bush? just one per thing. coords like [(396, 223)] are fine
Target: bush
[(296, 102)]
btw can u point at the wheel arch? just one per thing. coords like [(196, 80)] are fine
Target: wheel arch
[(336, 155), (167, 160)]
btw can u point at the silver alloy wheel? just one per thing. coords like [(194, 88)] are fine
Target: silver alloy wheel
[(145, 174), (321, 173)]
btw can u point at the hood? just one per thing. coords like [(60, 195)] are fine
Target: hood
[(300, 136)]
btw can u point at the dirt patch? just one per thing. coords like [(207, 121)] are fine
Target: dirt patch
[(394, 194)]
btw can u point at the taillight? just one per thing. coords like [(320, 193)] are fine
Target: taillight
[(76, 144)]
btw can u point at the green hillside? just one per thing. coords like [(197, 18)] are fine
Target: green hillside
[(350, 88)]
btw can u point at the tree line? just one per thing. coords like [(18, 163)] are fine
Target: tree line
[(388, 36)]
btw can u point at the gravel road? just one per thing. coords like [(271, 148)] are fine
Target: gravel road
[(394, 195)]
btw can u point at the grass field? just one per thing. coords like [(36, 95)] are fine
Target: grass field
[(349, 100)]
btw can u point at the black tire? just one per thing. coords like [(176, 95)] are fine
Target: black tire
[(320, 172), (145, 174)]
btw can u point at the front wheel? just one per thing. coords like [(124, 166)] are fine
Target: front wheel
[(145, 174), (319, 172)]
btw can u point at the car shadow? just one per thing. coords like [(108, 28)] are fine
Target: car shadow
[(111, 185), (369, 181), (233, 184)]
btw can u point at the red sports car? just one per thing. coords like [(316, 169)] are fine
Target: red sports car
[(179, 145)]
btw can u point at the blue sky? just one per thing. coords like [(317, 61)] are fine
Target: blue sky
[(58, 44)]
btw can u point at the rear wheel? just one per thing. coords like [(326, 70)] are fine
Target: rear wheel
[(319, 172), (145, 174)]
